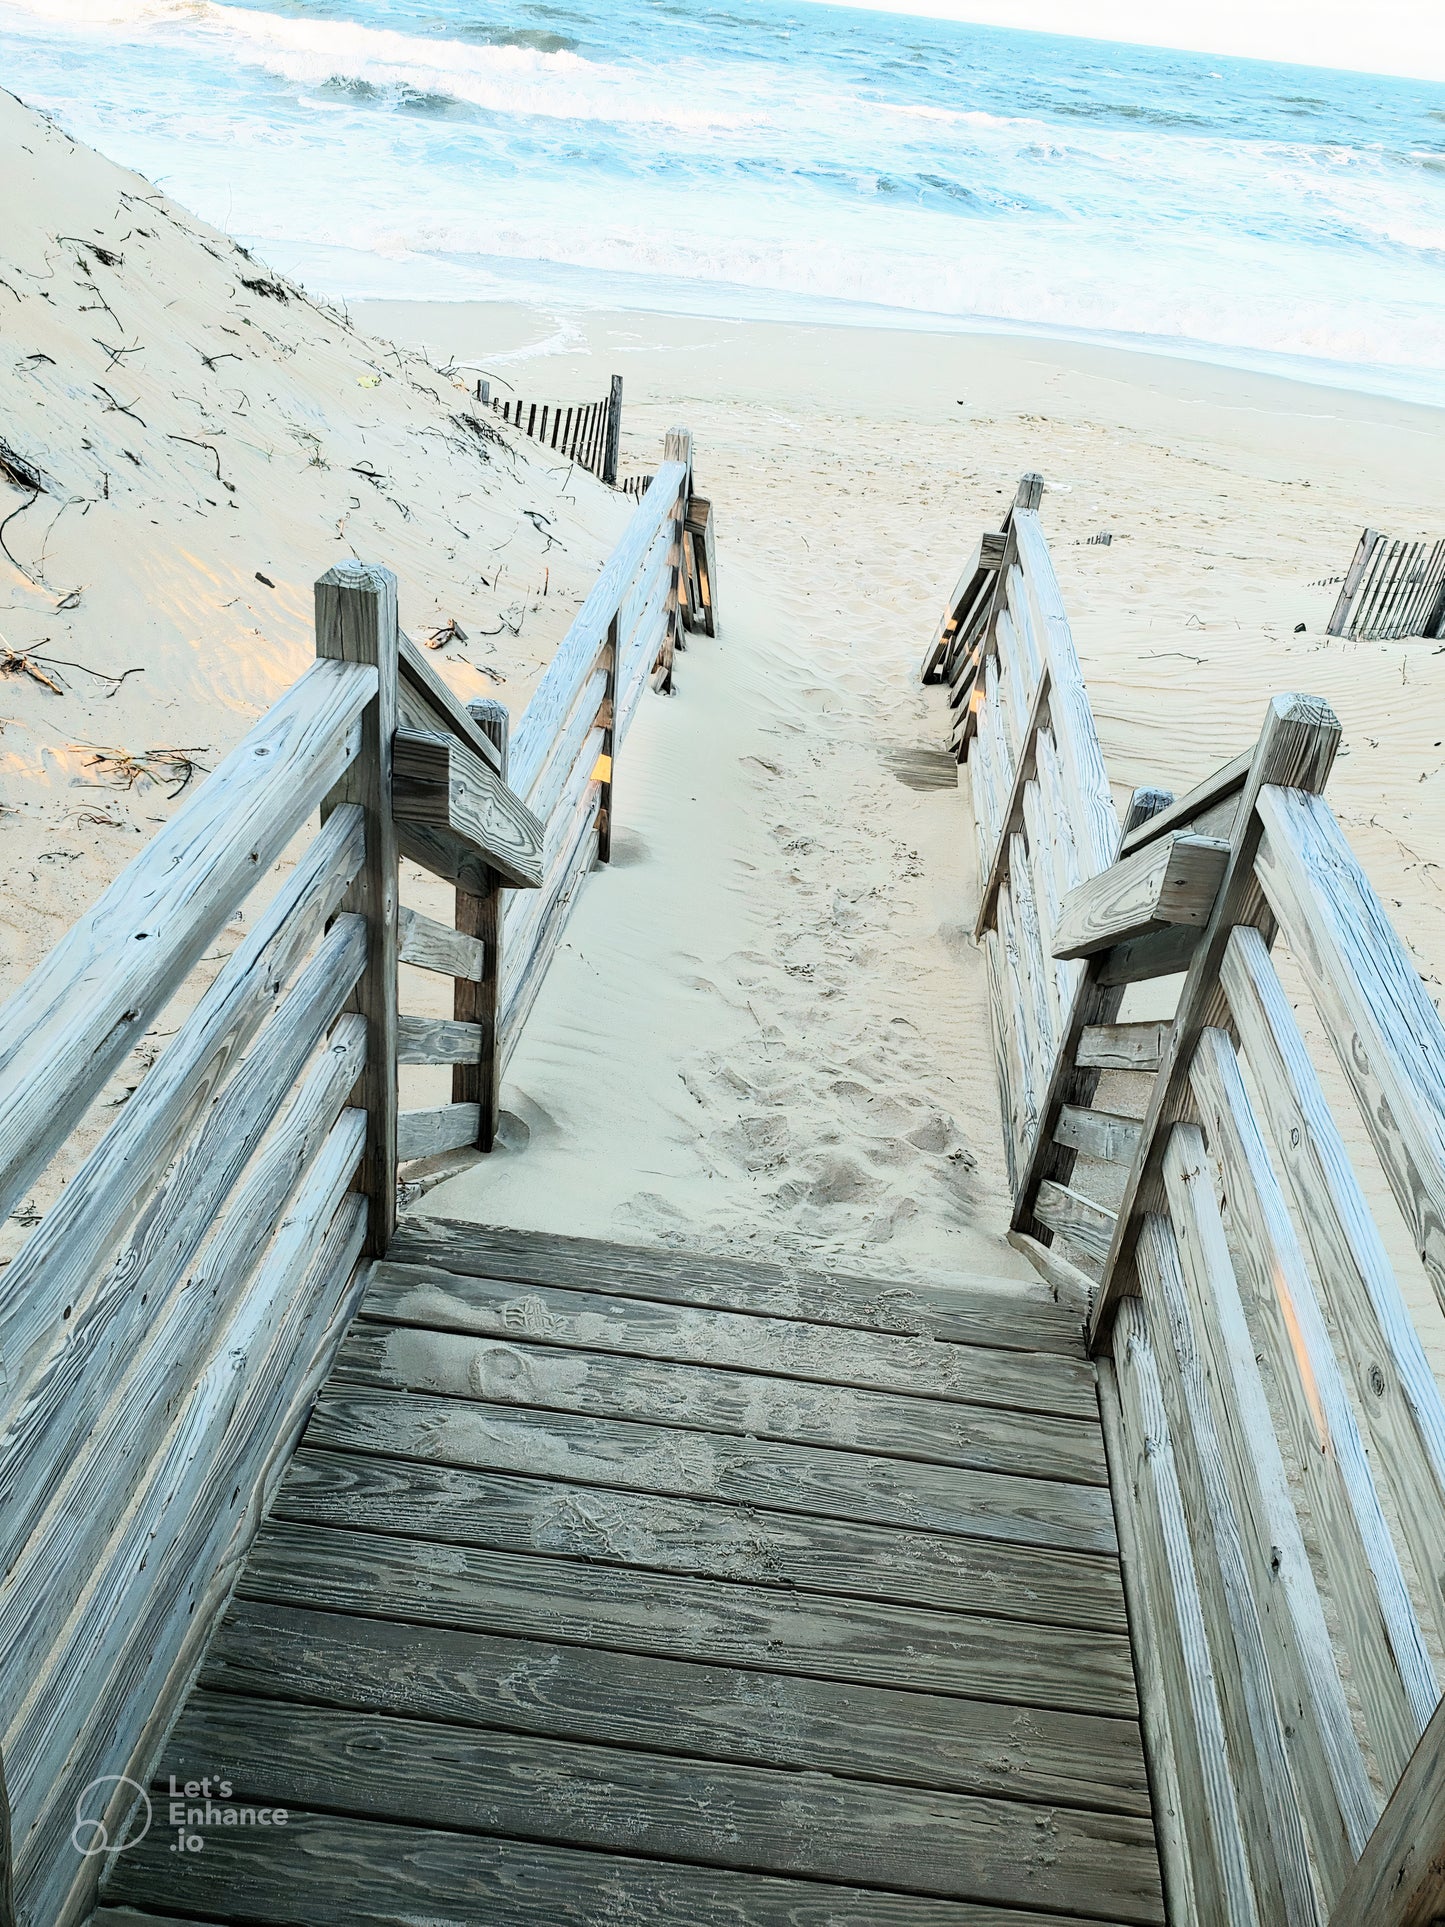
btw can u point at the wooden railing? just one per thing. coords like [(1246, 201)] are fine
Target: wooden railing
[(166, 1324), (1276, 1434), (588, 433)]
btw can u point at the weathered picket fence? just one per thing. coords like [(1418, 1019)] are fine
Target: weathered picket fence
[(588, 433), (1391, 589), (1276, 1434), (167, 1323)]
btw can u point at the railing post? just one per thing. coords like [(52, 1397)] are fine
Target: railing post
[(356, 622), (480, 1083), (676, 448), (605, 760), (614, 433)]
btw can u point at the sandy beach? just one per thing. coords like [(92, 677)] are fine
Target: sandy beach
[(767, 1029)]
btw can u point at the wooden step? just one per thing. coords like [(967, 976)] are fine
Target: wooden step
[(1098, 1134), (1122, 1047)]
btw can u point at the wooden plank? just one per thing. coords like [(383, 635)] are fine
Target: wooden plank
[(478, 1001), (1172, 880), (342, 1872), (1296, 747), (1122, 1047), (646, 1457), (356, 622), (572, 872), (426, 1134), (965, 590), (515, 1370), (426, 702), (572, 664), (703, 1540), (1256, 1734), (98, 991), (971, 1656), (1162, 953), (674, 1706), (430, 945), (1098, 1134), (1013, 811), (1203, 800), (1395, 1389), (1384, 1028), (1009, 1313), (923, 1368), (50, 1283), (956, 1846), (436, 1040), (1399, 1879), (56, 1409), (1077, 1218), (453, 810), (1333, 1786), (1018, 1013), (1338, 624), (127, 1421), (1213, 1827), (1355, 1552)]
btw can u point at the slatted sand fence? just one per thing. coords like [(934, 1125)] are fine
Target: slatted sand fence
[(1392, 588), (588, 433), (1276, 1435), (167, 1324)]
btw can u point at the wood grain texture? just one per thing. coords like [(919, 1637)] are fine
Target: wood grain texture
[(436, 1040), (1122, 1047), (1399, 1879), (1098, 1134), (1184, 811), (956, 1846), (430, 945), (1381, 1022), (1171, 880), (1012, 1313), (925, 1368), (98, 991), (426, 1134), (636, 1456), (386, 1873), (548, 1517), (1085, 1224), (425, 702), (676, 1706), (454, 808), (751, 1626)]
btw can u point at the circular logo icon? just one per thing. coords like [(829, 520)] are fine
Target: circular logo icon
[(90, 1834)]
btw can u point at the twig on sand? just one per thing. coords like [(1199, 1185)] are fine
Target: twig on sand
[(124, 768), (13, 663), (211, 451), (118, 407)]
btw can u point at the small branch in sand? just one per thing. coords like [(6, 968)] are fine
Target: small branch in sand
[(211, 451), (117, 354), (119, 407), (123, 768), (12, 663)]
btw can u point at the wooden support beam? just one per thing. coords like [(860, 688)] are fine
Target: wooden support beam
[(1296, 750), (477, 1000), (1082, 1222), (1399, 1879), (1203, 800), (607, 755), (437, 1040), (1098, 1134), (1121, 1047), (430, 945), (457, 818), (356, 621), (425, 702), (425, 1134), (1167, 952), (1172, 881), (1013, 814)]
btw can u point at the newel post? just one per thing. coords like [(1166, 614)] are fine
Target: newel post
[(480, 1082), (356, 621)]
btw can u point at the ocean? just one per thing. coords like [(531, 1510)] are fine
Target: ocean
[(795, 161)]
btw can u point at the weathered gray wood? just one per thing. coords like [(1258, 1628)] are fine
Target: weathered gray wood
[(674, 1706), (1009, 1313), (79, 1371), (573, 869), (426, 1134), (1369, 542), (749, 1626), (1079, 1219), (96, 994), (1218, 1861), (703, 531), (965, 591), (721, 1815), (648, 1457), (1257, 1736), (1122, 1047), (1395, 1389), (1399, 1879), (517, 1369), (478, 1001), (356, 622), (1161, 953), (457, 817), (1171, 880), (126, 1417), (1396, 1681), (1296, 748), (924, 1368), (1333, 1786), (437, 946), (1166, 1799), (1183, 812), (340, 1872), (1379, 1017), (1098, 1134), (425, 702), (552, 699), (705, 1540), (436, 1040), (1069, 1285), (51, 1280)]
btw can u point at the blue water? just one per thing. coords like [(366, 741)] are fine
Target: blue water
[(758, 158)]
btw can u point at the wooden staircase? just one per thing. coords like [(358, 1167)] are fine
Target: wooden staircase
[(627, 1586)]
